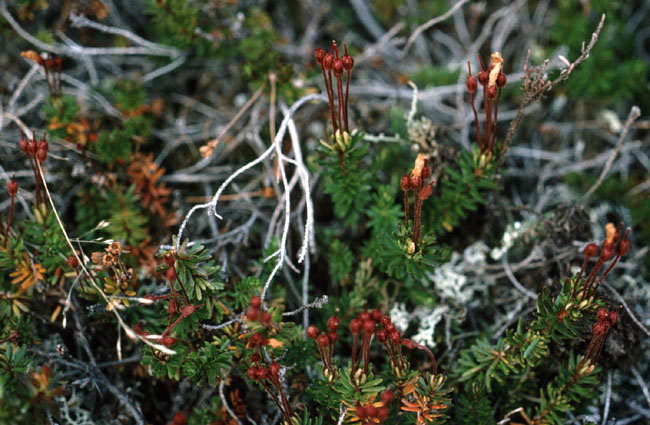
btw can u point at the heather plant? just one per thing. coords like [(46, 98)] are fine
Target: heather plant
[(223, 222)]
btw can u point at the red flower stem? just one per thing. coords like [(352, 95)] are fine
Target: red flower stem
[(273, 396), (433, 359), (577, 281), (169, 328), (355, 342), (36, 180), (478, 129), (187, 300), (591, 277), (390, 352), (496, 115), (406, 208), (334, 122), (416, 218), (345, 105), (611, 266), (339, 89), (330, 95), (11, 217), (486, 129)]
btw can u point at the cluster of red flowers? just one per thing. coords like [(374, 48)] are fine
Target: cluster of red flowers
[(493, 80), (415, 181), (35, 151), (607, 250), (325, 342), (605, 320), (367, 324), (267, 375), (373, 413), (330, 62)]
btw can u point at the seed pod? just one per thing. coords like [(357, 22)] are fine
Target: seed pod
[(41, 155), (167, 341), (355, 326), (73, 262), (501, 80), (319, 54), (376, 315), (591, 249), (483, 77), (364, 316), (252, 373), (385, 321), (256, 301), (42, 144), (383, 412), (426, 172), (606, 253), (333, 337), (12, 187), (602, 315), (171, 274), (252, 314), (274, 369), (31, 147), (348, 62), (387, 396), (491, 92), (613, 317), (265, 317), (328, 61), (369, 326), (337, 67), (23, 142), (262, 373), (426, 191), (416, 181), (169, 259), (409, 344), (312, 332), (360, 412), (323, 340), (624, 245), (370, 411), (471, 84), (405, 182), (254, 358), (395, 337), (333, 323), (382, 335)]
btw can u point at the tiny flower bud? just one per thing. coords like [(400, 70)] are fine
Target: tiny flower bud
[(360, 412), (256, 301), (591, 249), (369, 326), (348, 62), (337, 67), (328, 61), (376, 315), (606, 253), (383, 412), (416, 181), (312, 332), (355, 326), (624, 245), (323, 340), (252, 314), (254, 358), (602, 315), (252, 373), (385, 321), (395, 337), (41, 155), (381, 335), (405, 182), (262, 373), (171, 274), (12, 187), (426, 172), (387, 396), (599, 329), (274, 369), (471, 84), (364, 316), (31, 147), (167, 341), (491, 92), (370, 411), (266, 317), (173, 306), (333, 323), (333, 337), (43, 143), (23, 142), (613, 317), (483, 77), (501, 80), (426, 191), (319, 54), (73, 262)]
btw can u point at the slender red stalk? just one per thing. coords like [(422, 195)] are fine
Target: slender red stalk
[(10, 219)]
